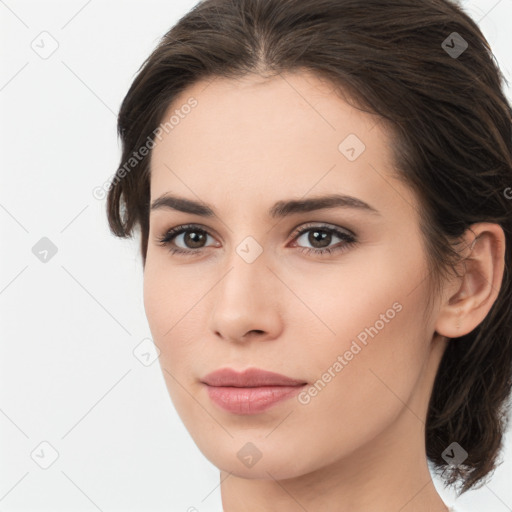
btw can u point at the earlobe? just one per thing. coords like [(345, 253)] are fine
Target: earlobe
[(469, 298)]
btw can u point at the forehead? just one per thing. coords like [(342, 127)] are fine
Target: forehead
[(289, 135)]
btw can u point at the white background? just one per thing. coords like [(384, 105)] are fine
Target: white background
[(69, 326)]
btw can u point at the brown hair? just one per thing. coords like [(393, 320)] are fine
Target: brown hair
[(452, 142)]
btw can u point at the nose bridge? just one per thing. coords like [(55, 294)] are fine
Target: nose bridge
[(247, 277), (245, 299), (246, 258)]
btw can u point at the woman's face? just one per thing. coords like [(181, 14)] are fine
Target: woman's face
[(251, 288)]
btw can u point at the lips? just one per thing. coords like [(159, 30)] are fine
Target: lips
[(251, 391), (250, 378)]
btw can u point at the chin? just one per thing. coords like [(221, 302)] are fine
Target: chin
[(257, 459)]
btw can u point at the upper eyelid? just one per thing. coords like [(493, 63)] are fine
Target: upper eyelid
[(321, 225)]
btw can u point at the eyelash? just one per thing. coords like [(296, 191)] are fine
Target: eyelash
[(347, 238)]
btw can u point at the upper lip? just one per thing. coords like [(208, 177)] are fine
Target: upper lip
[(249, 378)]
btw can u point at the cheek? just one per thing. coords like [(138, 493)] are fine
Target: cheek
[(362, 379), (341, 301), (165, 296), (160, 304), (371, 318), (171, 303), (158, 301), (374, 334)]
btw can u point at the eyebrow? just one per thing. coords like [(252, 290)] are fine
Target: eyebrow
[(278, 210)]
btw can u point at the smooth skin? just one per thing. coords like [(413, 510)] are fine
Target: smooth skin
[(358, 445)]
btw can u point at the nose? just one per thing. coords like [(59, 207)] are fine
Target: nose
[(247, 302)]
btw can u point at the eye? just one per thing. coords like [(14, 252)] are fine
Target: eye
[(189, 239), (321, 237), (190, 235)]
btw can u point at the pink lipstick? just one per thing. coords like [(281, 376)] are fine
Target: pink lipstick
[(251, 391)]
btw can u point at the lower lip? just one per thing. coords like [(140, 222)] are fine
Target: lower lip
[(250, 400)]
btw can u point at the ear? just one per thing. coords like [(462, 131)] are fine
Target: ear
[(469, 298)]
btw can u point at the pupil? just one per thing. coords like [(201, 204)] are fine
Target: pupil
[(324, 238), (195, 238)]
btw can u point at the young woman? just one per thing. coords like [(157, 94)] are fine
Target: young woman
[(323, 195)]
